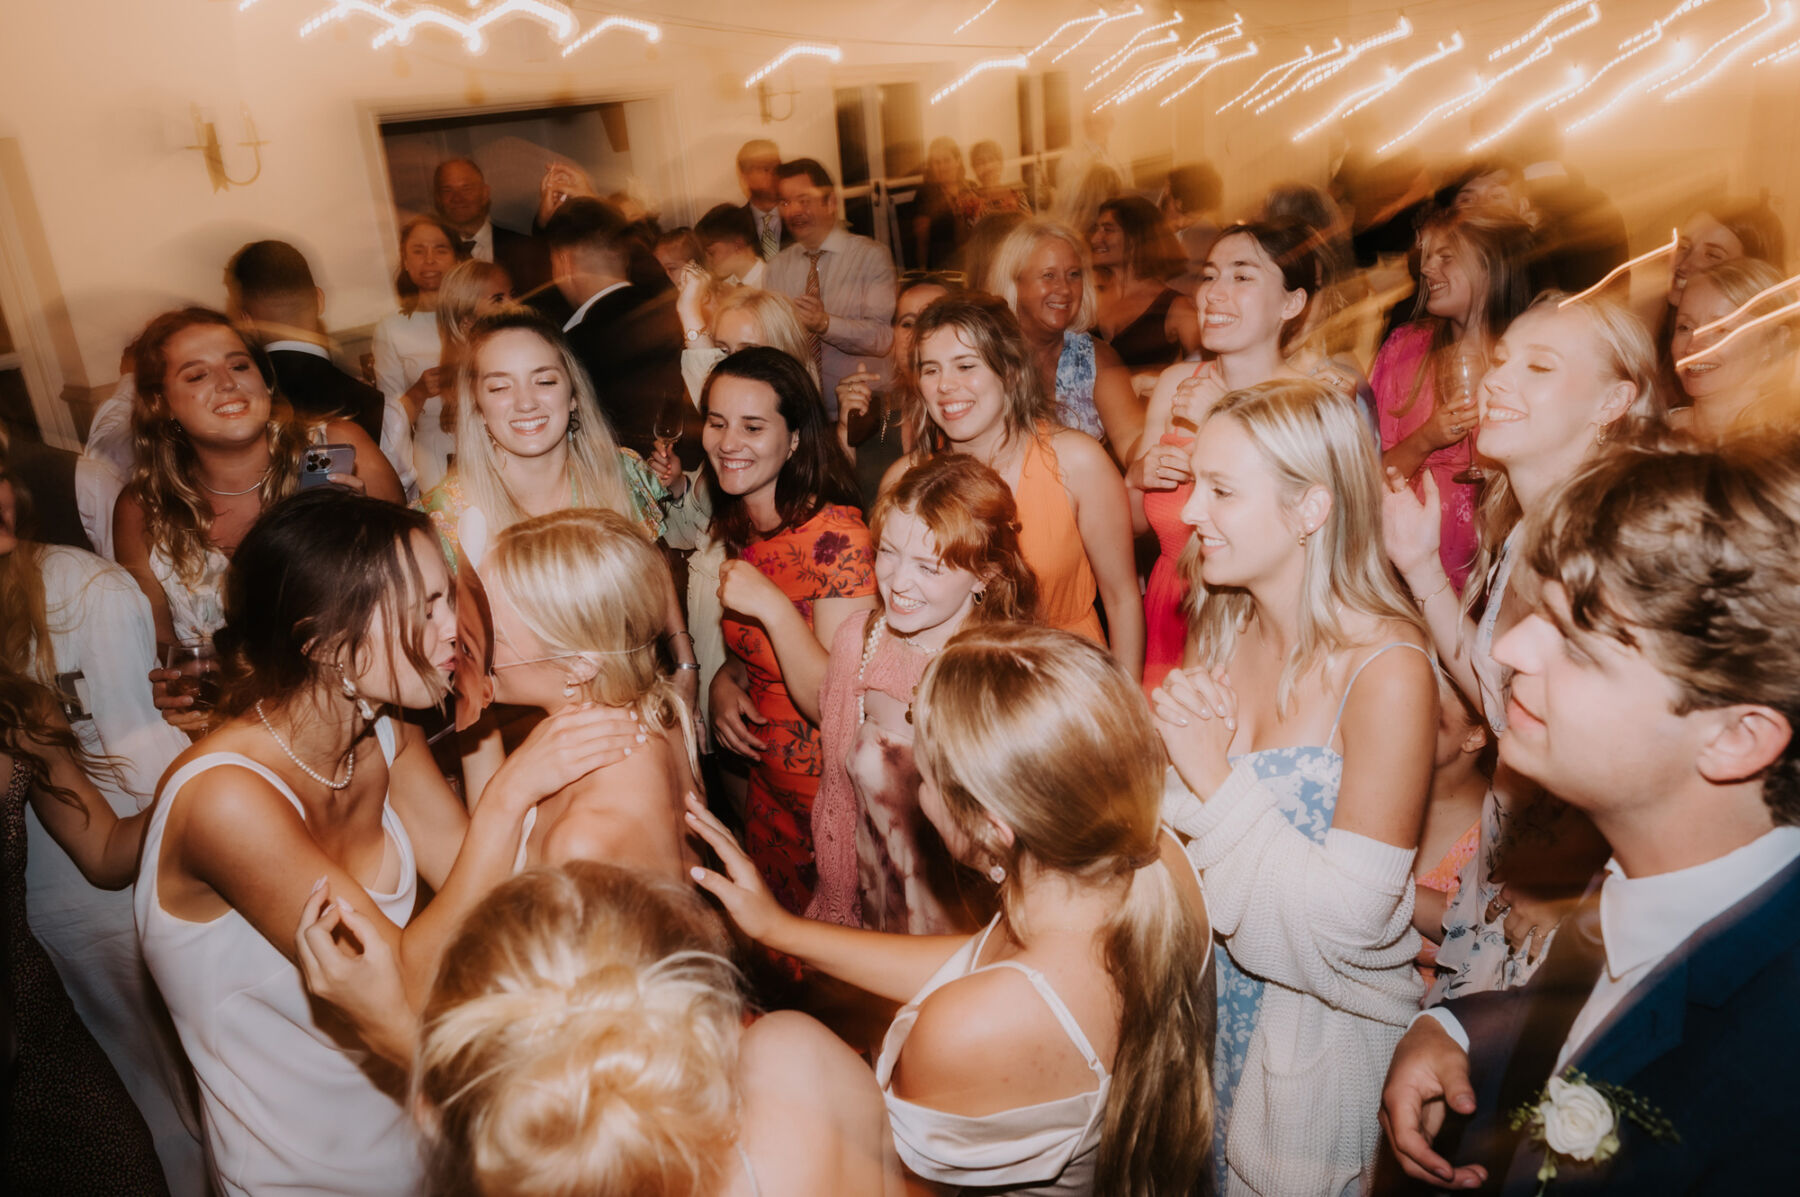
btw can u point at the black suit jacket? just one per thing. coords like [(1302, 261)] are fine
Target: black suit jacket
[(317, 389), (526, 260), (1708, 1038), (630, 344), (787, 238)]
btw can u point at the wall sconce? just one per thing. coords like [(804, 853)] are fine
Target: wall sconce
[(208, 138)]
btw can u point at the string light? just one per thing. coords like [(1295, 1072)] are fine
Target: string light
[(652, 33), (1249, 51), (1616, 271), (1767, 12), (1744, 307), (1125, 51), (1285, 68), (1778, 56), (797, 50), (1577, 79), (1167, 39), (1099, 15), (1018, 62), (1632, 46), (1483, 86), (1677, 54), (1787, 13), (975, 18), (1137, 11), (1740, 330), (1204, 48), (1524, 39), (1315, 75)]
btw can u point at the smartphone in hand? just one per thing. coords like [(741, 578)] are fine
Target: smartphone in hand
[(319, 462)]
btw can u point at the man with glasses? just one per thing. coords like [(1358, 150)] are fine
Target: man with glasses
[(842, 284)]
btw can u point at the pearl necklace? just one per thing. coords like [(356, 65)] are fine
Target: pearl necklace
[(349, 765), (862, 667), (232, 494)]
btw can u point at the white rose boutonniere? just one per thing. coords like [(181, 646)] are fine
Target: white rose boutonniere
[(1578, 1119)]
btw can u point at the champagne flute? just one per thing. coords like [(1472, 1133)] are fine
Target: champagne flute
[(197, 663), (668, 426), (1467, 369)]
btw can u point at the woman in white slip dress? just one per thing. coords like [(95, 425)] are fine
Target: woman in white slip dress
[(1020, 1064), (336, 604), (1568, 377)]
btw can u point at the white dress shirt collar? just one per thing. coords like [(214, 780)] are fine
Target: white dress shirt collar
[(753, 277), (1644, 919), (313, 348), (484, 242), (582, 311)]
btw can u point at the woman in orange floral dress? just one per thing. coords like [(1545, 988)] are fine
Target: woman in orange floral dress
[(784, 507)]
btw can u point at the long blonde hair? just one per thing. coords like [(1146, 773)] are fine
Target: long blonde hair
[(582, 1037), (1311, 436), (587, 581), (1042, 730), (1630, 357), (177, 514), (596, 477)]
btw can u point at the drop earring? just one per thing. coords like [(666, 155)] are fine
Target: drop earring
[(574, 424), (362, 704), (1600, 435), (1303, 538)]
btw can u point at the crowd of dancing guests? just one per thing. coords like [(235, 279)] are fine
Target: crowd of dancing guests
[(1130, 707)]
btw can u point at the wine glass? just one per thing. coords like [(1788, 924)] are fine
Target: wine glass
[(197, 663), (1467, 369), (668, 428)]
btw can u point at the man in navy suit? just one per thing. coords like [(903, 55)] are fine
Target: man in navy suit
[(626, 337), (1657, 688), (464, 202)]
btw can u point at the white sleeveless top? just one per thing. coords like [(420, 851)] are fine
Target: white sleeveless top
[(1049, 1149), (287, 1108)]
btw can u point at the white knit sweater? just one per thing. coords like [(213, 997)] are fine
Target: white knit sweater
[(1330, 930)]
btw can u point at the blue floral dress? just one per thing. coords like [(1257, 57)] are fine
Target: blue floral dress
[(1075, 377), (1305, 782)]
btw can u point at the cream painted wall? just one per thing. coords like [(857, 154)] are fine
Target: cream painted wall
[(97, 95)]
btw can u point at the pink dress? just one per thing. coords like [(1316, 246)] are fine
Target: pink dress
[(1446, 878), (1402, 358), (881, 864), (1165, 627)]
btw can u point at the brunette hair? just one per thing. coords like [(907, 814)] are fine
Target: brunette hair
[(1294, 248), (582, 1037), (1042, 730), (816, 475), (177, 514), (974, 523), (1501, 244), (31, 726), (987, 325), (403, 283), (1151, 250), (313, 578), (1688, 555), (25, 644), (1757, 228)]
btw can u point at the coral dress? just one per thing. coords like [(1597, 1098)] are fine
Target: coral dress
[(1165, 627), (829, 556), (1050, 541), (1403, 357)]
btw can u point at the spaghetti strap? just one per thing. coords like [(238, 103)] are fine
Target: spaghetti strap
[(749, 1172), (1053, 1000), (1345, 700)]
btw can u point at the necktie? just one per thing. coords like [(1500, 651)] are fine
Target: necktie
[(771, 240), (468, 247), (812, 292)]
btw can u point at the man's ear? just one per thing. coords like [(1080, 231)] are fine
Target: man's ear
[(1744, 741)]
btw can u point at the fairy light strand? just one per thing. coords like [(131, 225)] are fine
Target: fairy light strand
[(1740, 330), (1167, 39), (1099, 15), (1525, 39), (1319, 73), (1767, 12), (1204, 48), (975, 18), (1677, 55), (1249, 51), (1017, 62), (1250, 94), (652, 33), (1125, 51), (1673, 245), (1137, 11), (797, 50), (1577, 78), (1781, 22)]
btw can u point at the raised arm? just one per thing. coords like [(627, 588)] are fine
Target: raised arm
[(377, 473), (1410, 528)]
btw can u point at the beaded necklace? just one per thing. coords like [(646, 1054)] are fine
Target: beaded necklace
[(875, 634)]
